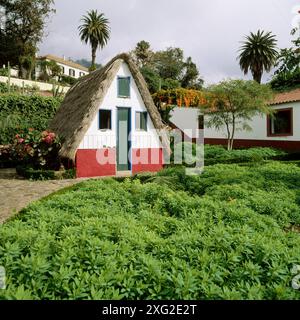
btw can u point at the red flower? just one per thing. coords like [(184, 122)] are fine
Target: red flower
[(48, 140), (52, 135)]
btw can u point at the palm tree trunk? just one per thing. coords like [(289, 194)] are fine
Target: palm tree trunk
[(257, 76), (93, 66)]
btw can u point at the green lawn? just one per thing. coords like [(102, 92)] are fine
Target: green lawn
[(223, 235)]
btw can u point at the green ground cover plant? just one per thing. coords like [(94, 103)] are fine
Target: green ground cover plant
[(218, 154), (223, 235)]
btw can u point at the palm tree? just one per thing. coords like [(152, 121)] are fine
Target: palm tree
[(258, 54), (94, 30)]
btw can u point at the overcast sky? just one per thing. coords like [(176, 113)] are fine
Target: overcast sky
[(209, 31)]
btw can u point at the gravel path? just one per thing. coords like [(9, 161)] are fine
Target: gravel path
[(17, 193)]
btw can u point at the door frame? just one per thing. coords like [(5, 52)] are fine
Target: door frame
[(128, 139)]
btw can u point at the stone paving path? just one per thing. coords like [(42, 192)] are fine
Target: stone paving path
[(16, 193)]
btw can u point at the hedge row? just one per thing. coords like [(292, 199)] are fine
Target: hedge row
[(218, 154), (20, 112)]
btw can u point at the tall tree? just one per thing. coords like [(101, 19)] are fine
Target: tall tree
[(258, 53), (191, 79), (95, 30), (231, 104), (287, 74), (169, 63), (25, 21), (142, 53)]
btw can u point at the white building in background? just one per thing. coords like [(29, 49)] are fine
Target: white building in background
[(69, 68), (281, 131), (189, 121)]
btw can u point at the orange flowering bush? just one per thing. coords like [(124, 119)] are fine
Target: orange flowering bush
[(180, 97)]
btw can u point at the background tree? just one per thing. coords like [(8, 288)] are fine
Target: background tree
[(95, 31), (49, 70), (25, 21), (258, 53), (87, 63), (287, 74), (166, 69), (231, 104), (191, 78), (143, 54)]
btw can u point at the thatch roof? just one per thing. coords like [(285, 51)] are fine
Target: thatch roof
[(82, 102)]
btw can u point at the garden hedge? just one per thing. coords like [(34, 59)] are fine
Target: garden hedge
[(20, 112)]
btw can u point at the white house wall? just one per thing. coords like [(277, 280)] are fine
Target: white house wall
[(67, 71), (186, 119), (259, 127), (97, 139)]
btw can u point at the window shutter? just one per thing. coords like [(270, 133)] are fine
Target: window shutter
[(124, 87)]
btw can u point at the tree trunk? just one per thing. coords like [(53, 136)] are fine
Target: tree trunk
[(233, 132), (257, 76), (23, 72), (228, 137), (93, 66)]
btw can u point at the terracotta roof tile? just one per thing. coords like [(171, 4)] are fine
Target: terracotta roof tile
[(285, 97)]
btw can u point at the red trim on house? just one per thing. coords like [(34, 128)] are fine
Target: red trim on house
[(102, 162), (147, 160), (95, 163), (242, 143)]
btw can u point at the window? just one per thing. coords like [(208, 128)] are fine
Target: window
[(81, 74), (71, 72), (62, 70), (141, 121), (123, 87), (281, 123), (201, 122), (105, 119)]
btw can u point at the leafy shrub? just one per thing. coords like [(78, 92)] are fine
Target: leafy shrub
[(20, 112), (32, 174), (105, 239), (218, 154), (187, 153), (3, 87), (37, 150), (68, 80), (4, 72)]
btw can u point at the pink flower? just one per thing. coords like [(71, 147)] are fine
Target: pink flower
[(52, 135), (21, 140), (48, 140)]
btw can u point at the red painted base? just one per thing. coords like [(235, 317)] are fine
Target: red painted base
[(147, 160), (240, 143), (95, 163), (102, 163)]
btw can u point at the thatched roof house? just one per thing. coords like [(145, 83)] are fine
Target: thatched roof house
[(82, 103)]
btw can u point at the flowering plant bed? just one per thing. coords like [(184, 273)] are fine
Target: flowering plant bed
[(38, 150)]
